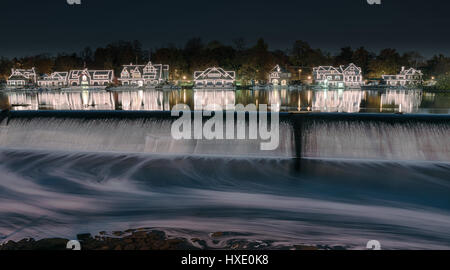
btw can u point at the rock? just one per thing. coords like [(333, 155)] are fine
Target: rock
[(306, 248), (339, 248), (118, 233), (84, 237), (50, 244), (139, 235), (217, 234)]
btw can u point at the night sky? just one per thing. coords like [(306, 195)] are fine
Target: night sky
[(51, 26)]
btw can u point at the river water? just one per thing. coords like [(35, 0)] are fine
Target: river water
[(353, 179), (350, 101)]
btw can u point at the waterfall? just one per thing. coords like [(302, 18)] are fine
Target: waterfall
[(377, 140), (325, 136), (147, 134)]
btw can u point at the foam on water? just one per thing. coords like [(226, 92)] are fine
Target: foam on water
[(344, 138), (377, 140), (330, 203), (64, 174), (152, 136)]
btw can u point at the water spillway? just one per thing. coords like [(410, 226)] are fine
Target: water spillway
[(65, 173), (313, 135), (380, 137)]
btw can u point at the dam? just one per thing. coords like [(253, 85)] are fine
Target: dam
[(336, 179), (330, 136)]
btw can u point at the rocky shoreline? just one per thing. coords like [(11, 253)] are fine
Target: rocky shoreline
[(145, 239)]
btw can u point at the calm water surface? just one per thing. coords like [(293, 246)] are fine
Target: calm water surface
[(350, 101)]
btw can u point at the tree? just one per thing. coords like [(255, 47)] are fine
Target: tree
[(302, 55), (413, 59), (345, 57), (387, 62), (443, 82), (239, 44), (5, 68), (174, 57), (438, 65), (66, 62), (87, 56), (361, 57)]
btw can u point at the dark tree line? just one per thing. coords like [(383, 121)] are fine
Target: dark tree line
[(250, 62)]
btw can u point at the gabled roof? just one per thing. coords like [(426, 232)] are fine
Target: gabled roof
[(326, 69), (55, 76), (223, 74), (17, 78), (351, 67), (61, 75), (340, 70), (75, 74), (411, 71), (108, 73), (140, 68), (23, 72), (404, 72), (279, 69)]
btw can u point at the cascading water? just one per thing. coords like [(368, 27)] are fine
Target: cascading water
[(150, 135), (66, 173), (377, 140), (300, 136)]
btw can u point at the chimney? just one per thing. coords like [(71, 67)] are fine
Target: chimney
[(403, 68)]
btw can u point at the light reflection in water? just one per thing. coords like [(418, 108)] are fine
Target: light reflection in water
[(338, 101), (406, 102), (350, 101), (214, 99)]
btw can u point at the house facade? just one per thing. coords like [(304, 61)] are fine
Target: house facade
[(338, 77), (279, 76), (87, 77), (214, 77), (142, 75), (53, 80), (22, 77), (406, 77)]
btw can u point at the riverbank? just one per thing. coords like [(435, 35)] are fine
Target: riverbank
[(147, 239)]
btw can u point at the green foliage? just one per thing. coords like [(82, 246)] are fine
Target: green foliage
[(5, 68), (250, 62), (443, 82)]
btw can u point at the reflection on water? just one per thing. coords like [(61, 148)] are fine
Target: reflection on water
[(351, 101), (213, 99), (338, 101), (406, 102)]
